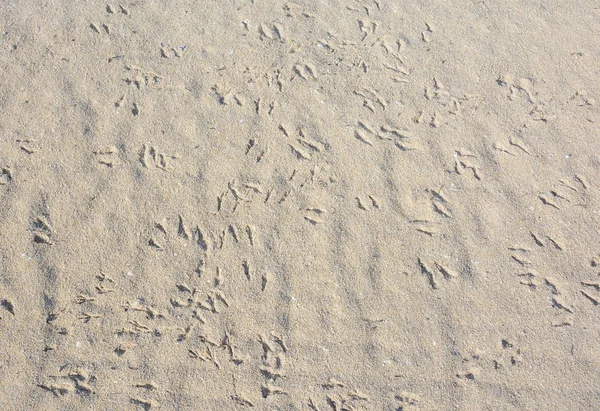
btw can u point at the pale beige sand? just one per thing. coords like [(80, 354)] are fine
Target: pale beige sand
[(309, 205)]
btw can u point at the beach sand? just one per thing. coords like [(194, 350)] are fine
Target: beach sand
[(308, 205)]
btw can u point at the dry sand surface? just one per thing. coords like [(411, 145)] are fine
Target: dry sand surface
[(307, 205)]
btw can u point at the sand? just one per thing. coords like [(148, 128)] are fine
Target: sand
[(308, 205)]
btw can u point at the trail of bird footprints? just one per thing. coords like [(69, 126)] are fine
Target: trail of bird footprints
[(568, 192), (106, 156), (465, 161), (366, 133), (475, 365), (436, 271), (214, 256), (560, 293), (42, 233), (151, 157), (525, 89)]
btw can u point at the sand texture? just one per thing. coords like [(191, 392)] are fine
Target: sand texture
[(310, 205)]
